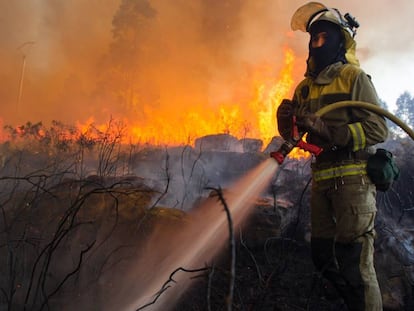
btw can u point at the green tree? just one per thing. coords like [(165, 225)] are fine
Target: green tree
[(405, 109)]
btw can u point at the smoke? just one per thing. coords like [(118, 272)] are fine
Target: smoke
[(68, 38), (195, 53)]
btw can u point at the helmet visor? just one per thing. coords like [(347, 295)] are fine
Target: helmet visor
[(305, 14)]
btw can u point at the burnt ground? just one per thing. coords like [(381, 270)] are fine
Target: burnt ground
[(67, 241), (274, 270), (272, 274)]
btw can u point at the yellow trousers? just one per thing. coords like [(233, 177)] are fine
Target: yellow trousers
[(342, 214)]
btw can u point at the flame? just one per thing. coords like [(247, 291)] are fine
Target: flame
[(257, 121), (251, 116)]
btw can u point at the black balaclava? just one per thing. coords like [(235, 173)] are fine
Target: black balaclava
[(330, 52)]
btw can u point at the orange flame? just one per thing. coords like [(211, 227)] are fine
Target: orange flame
[(252, 116), (255, 118)]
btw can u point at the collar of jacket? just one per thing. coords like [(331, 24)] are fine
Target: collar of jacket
[(327, 75)]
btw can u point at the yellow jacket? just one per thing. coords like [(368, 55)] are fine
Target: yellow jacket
[(338, 82)]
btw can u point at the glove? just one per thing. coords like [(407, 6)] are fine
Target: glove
[(284, 116), (311, 123), (325, 135), (285, 109)]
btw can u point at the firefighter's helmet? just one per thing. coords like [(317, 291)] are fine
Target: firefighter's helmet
[(315, 11), (311, 12)]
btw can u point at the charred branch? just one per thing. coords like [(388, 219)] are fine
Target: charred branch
[(167, 285)]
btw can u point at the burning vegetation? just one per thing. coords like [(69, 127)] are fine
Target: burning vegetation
[(171, 125), (221, 73)]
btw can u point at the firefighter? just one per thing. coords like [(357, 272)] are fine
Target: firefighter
[(343, 205)]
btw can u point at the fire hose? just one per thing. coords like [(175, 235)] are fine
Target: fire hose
[(297, 138)]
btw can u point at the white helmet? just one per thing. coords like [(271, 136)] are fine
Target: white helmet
[(315, 11), (311, 12)]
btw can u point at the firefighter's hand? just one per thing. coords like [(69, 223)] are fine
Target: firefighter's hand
[(284, 116), (313, 124), (331, 136), (285, 109)]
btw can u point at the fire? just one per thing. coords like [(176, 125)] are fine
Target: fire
[(253, 118), (252, 115)]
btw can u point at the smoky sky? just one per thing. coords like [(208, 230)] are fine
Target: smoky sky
[(199, 51)]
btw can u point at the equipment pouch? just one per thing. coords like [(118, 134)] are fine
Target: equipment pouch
[(382, 169)]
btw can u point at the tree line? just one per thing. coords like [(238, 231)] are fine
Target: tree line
[(404, 111)]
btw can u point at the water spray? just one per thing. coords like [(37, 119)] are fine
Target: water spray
[(195, 244), (202, 241)]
